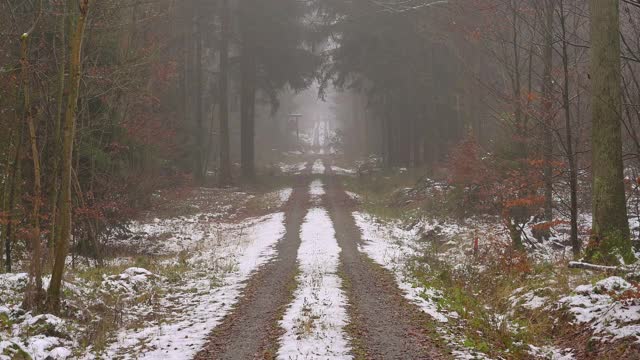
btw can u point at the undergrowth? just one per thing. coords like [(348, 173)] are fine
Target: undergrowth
[(484, 290)]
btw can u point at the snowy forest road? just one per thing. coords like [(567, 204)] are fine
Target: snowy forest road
[(322, 298), (251, 330), (384, 324)]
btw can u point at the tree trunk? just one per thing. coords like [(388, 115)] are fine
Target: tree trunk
[(571, 156), (33, 293), (57, 146), (198, 169), (610, 223), (75, 74), (225, 153), (248, 99), (14, 187), (547, 102)]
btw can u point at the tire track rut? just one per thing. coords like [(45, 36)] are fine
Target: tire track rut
[(251, 330), (384, 324)]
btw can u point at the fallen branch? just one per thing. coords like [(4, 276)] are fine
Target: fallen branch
[(594, 267)]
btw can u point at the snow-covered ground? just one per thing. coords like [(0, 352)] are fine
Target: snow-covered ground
[(198, 304), (342, 171), (316, 191), (606, 309), (297, 168), (393, 246), (315, 321), (318, 167), (23, 335), (610, 307), (201, 270)]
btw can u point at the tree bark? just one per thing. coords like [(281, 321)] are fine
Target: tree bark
[(198, 169), (33, 293), (57, 146), (75, 74), (225, 153), (248, 99), (547, 101), (14, 186), (610, 223), (571, 156)]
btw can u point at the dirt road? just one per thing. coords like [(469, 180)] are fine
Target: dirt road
[(380, 322)]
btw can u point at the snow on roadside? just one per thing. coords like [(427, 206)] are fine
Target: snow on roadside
[(353, 196), (392, 247), (292, 168), (551, 353), (24, 336), (314, 323), (605, 307), (316, 191), (276, 199), (284, 195), (318, 167), (342, 171), (197, 305)]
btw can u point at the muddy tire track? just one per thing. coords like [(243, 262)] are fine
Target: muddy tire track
[(384, 325), (251, 330)]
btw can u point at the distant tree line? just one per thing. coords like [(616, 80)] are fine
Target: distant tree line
[(534, 99)]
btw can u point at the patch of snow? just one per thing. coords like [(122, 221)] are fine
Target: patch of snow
[(353, 196), (392, 246), (318, 167), (388, 247), (529, 300), (198, 304), (551, 353), (292, 168), (40, 337), (598, 305), (284, 195), (316, 191), (276, 199), (342, 171), (315, 321)]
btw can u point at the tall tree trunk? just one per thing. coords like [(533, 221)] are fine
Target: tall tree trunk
[(571, 155), (33, 293), (248, 99), (517, 82), (547, 103), (14, 186), (610, 223), (198, 169), (6, 186), (75, 74), (225, 152), (57, 146)]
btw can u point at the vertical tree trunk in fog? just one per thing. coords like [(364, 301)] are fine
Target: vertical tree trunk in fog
[(57, 144), (223, 82), (516, 80), (14, 188), (198, 169), (248, 96), (610, 223), (571, 156), (75, 74), (33, 294), (547, 96)]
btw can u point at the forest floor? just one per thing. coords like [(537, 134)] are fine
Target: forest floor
[(318, 263)]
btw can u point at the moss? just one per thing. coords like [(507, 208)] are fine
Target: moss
[(5, 322), (15, 352), (610, 248)]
